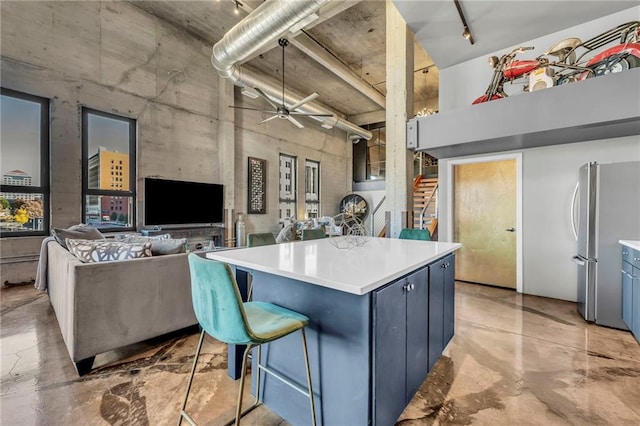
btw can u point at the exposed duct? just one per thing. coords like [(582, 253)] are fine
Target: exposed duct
[(263, 26)]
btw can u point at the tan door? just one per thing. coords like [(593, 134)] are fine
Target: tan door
[(484, 220)]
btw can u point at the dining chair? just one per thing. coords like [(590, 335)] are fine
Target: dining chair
[(260, 239), (415, 234), (222, 314), (312, 234)]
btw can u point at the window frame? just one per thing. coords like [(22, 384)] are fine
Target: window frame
[(307, 163), (294, 184), (86, 191), (44, 188)]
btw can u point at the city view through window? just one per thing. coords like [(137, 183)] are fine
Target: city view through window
[(109, 175), (23, 164)]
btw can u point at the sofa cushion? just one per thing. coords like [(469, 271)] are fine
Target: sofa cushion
[(89, 251), (80, 231), (159, 246)]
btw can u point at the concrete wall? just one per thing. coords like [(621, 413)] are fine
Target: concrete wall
[(111, 56), (462, 83)]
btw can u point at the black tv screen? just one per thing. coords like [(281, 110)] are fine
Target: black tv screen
[(172, 202)]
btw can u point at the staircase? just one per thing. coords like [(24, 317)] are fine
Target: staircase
[(425, 193)]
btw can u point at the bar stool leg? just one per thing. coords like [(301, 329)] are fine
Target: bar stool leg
[(183, 413), (306, 363)]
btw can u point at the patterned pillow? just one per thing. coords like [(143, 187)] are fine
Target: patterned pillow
[(81, 231), (124, 237), (88, 251), (159, 246)]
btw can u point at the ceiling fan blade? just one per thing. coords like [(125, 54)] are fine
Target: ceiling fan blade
[(252, 109), (310, 114), (294, 121), (304, 101), (268, 119), (266, 98)]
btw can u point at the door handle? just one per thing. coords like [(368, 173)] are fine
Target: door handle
[(512, 229), (574, 226), (628, 274), (578, 261)]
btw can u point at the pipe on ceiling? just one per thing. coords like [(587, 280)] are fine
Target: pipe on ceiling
[(260, 28)]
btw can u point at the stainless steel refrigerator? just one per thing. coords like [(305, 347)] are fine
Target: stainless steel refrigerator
[(606, 209)]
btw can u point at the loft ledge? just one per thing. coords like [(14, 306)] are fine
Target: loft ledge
[(604, 107)]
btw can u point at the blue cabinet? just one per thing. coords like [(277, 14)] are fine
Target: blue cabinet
[(412, 323), (631, 289), (400, 344), (441, 306)]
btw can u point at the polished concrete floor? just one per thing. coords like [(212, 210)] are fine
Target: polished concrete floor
[(515, 360)]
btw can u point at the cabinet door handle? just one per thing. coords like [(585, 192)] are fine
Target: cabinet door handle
[(628, 274), (412, 286), (624, 253)]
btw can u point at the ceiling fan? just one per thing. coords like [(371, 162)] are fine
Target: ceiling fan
[(281, 111)]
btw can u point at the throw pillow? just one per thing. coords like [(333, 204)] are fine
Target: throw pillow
[(81, 231), (160, 246), (88, 251), (124, 237)]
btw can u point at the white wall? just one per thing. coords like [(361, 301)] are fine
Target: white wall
[(549, 177), (549, 173), (462, 83)]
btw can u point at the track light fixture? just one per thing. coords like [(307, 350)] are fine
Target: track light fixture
[(467, 32), (237, 9)]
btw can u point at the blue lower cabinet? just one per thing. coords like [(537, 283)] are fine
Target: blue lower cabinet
[(631, 290), (635, 304), (412, 323), (400, 344), (627, 294)]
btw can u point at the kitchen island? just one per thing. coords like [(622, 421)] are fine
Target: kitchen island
[(380, 313)]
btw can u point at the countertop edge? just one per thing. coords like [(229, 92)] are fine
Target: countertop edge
[(359, 291), (631, 244)]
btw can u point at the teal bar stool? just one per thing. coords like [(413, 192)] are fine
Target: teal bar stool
[(257, 240), (222, 314), (260, 239), (312, 234), (415, 234)]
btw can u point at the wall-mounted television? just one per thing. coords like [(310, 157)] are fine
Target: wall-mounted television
[(174, 203)]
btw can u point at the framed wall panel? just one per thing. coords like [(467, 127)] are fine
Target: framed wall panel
[(257, 200)]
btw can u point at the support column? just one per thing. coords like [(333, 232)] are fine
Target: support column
[(399, 161), (226, 155)]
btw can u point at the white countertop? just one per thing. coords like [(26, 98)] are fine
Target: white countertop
[(358, 270), (631, 243)]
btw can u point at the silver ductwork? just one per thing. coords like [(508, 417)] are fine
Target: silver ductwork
[(261, 27)]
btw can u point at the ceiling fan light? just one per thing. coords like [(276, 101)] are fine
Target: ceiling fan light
[(466, 33), (249, 92)]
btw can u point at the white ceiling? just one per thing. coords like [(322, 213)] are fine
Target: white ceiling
[(495, 24)]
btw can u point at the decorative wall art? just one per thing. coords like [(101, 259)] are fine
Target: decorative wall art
[(257, 202)]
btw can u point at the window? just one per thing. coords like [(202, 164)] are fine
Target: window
[(287, 187), (24, 161), (312, 188), (369, 157), (107, 139)]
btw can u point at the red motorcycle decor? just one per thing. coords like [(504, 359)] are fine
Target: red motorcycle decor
[(567, 67)]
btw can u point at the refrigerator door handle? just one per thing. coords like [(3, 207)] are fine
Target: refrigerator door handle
[(578, 261), (573, 211)]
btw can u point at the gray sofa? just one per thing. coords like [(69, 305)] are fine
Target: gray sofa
[(107, 305)]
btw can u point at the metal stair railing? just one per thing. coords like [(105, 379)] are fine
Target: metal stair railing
[(426, 206), (373, 222)]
